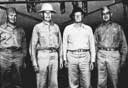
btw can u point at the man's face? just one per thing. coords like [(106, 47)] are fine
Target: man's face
[(12, 17), (106, 14), (47, 15), (78, 16)]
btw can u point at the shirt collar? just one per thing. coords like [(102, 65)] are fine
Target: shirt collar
[(46, 23), (106, 23), (11, 26), (78, 25)]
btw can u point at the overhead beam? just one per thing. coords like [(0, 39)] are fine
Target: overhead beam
[(43, 1), (22, 14), (106, 5), (35, 18)]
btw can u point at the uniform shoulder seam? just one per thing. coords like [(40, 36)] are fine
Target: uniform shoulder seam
[(87, 26), (68, 27)]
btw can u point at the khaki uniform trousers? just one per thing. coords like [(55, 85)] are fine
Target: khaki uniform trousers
[(78, 69), (108, 66), (11, 64), (48, 69)]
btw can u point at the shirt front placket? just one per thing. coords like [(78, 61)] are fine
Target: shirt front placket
[(12, 32), (108, 39), (14, 36), (49, 36)]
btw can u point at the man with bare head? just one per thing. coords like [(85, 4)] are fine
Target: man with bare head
[(12, 51), (111, 49)]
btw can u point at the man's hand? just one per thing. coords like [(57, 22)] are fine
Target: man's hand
[(123, 60), (24, 65), (61, 63), (122, 63), (66, 63), (36, 68), (91, 66)]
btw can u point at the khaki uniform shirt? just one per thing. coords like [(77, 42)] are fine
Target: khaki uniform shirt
[(12, 36), (111, 35), (45, 36)]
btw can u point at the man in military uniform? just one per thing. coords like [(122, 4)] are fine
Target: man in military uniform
[(46, 48), (111, 48), (12, 51), (79, 50)]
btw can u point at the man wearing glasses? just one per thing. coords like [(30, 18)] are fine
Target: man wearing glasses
[(111, 49)]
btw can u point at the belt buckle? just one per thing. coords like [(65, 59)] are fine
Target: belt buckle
[(107, 49), (52, 50), (79, 50), (112, 49)]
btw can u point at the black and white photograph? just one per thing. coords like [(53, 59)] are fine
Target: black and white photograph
[(63, 44)]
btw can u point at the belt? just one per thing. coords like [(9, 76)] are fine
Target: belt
[(11, 48), (51, 49), (79, 50), (108, 49)]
